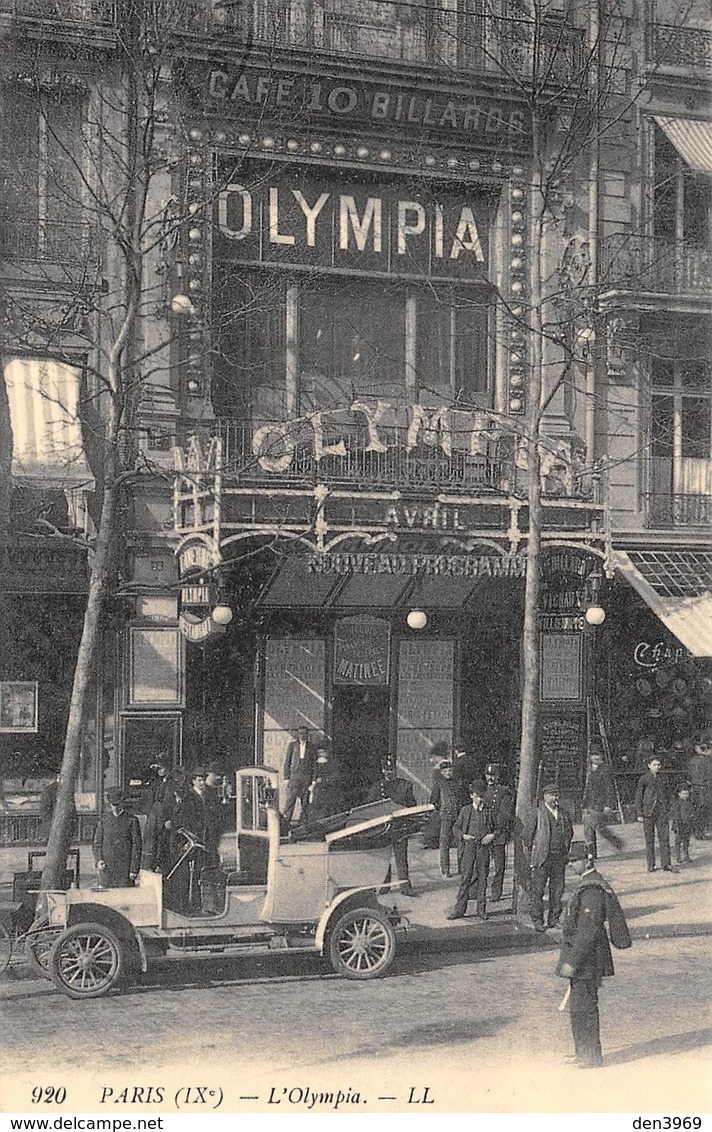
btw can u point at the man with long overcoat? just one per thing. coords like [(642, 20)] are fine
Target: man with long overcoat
[(585, 957), (117, 843), (547, 835)]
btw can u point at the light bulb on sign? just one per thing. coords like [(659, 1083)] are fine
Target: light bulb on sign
[(416, 619)]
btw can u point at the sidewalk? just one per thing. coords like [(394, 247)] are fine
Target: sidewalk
[(656, 904)]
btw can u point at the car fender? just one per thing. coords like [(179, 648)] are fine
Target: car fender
[(110, 918), (363, 897)]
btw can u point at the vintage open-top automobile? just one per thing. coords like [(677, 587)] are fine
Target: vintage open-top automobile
[(313, 891)]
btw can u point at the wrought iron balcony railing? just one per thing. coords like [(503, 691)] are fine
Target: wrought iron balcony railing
[(688, 47), (102, 12), (637, 263), (678, 510), (46, 241), (491, 472), (414, 32)]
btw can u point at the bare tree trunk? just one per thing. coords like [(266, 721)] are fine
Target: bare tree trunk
[(526, 784), (6, 448), (60, 830)]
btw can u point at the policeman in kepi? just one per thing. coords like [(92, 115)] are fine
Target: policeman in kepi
[(585, 957), (500, 803)]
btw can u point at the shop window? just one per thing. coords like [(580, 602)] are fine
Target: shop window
[(680, 480), (289, 347), (40, 177), (351, 343)]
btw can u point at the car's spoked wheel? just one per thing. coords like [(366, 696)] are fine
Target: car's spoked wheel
[(362, 944), (86, 961)]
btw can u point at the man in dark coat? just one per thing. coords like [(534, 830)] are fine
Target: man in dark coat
[(474, 829), (652, 806), (500, 803), (326, 794), (117, 843), (299, 773), (448, 797), (463, 767), (599, 801), (155, 835), (188, 812), (401, 792), (547, 835), (585, 957)]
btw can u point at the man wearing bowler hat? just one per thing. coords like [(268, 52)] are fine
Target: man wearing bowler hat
[(473, 830), (585, 957), (117, 843), (547, 835), (499, 802)]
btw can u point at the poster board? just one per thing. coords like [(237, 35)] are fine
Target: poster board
[(294, 694), (425, 707)]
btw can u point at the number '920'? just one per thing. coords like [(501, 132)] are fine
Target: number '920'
[(49, 1094)]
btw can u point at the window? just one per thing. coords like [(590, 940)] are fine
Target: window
[(682, 209), (40, 177), (681, 442), (290, 346)]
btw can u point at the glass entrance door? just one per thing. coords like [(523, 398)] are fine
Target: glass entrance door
[(360, 732)]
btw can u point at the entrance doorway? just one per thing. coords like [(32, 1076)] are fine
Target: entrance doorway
[(360, 733)]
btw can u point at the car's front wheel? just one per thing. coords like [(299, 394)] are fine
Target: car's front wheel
[(86, 961), (362, 944)]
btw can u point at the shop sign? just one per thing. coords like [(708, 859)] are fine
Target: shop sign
[(438, 427), (286, 217), (422, 565), (296, 96), (646, 655), (196, 558), (562, 622), (361, 651)]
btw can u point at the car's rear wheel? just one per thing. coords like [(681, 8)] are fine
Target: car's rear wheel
[(86, 961), (362, 944), (38, 947)]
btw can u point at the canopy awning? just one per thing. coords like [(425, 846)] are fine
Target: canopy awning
[(692, 140), (677, 586), (46, 430)]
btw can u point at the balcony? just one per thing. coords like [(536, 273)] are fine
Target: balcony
[(646, 264), (664, 511), (101, 12), (418, 32), (490, 472), (47, 241), (686, 47)]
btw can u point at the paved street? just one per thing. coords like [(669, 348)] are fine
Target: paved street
[(468, 1013)]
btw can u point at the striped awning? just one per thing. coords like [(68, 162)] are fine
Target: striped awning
[(46, 429), (677, 586), (692, 140)]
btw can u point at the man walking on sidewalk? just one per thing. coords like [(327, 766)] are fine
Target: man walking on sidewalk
[(585, 957), (599, 801)]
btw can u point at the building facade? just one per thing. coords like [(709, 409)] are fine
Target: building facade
[(337, 319)]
